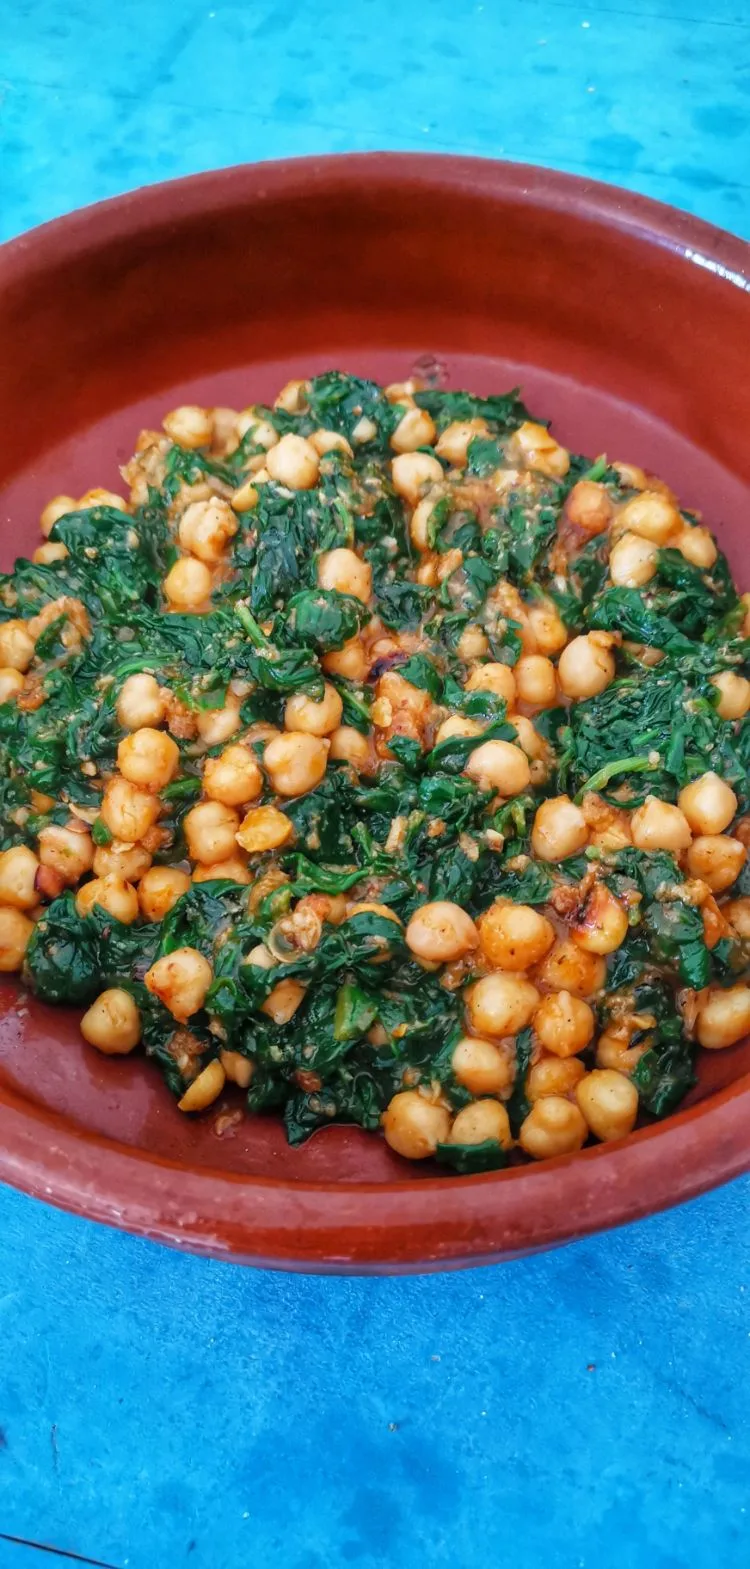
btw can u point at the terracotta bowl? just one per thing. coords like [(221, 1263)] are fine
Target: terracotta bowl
[(625, 321)]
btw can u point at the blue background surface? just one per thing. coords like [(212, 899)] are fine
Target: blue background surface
[(582, 1410)]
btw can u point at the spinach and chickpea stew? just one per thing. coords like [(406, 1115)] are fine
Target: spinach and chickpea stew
[(381, 757)]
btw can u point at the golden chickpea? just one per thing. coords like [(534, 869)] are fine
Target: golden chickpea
[(189, 426), (128, 861), (413, 473), (11, 683), (216, 725), (264, 828), (159, 890), (180, 980), (547, 628), (536, 680), (187, 585), (238, 1069), (734, 694), (609, 1103), (632, 561), (697, 545), (245, 498), (554, 1126), (293, 462), (456, 725), (501, 1004), (18, 870), (586, 666), (453, 443), (346, 572), (708, 803), (485, 1119), (15, 935), (329, 441), (589, 507), (296, 762), (210, 830), (716, 858), (69, 851), (657, 825), (233, 870), (16, 646), (414, 1126), (99, 496), (514, 936), (112, 894), (529, 739), (473, 642), (127, 811), (651, 516), (553, 1076), (559, 829), (205, 1089), (349, 661), (737, 913), (570, 968), (282, 1003), (350, 746), (441, 932), (263, 433), (482, 1066), (613, 1050), (293, 397), (57, 508), (364, 430), (206, 528), (497, 678), (45, 555), (148, 758), (233, 778), (602, 925), (420, 521), (501, 766), (564, 1024), (414, 429), (141, 702), (724, 1018), (533, 446), (112, 1023)]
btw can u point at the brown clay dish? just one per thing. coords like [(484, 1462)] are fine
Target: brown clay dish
[(628, 323)]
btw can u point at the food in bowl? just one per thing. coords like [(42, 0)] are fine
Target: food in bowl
[(380, 757)]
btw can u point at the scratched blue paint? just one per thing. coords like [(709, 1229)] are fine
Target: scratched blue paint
[(583, 1410)]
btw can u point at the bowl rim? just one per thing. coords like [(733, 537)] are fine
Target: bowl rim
[(402, 1225)]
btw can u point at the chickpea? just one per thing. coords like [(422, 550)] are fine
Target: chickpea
[(514, 936), (609, 1102), (99, 496), (233, 870), (263, 433), (112, 894), (264, 828), (570, 968), (589, 507), (18, 870), (499, 765), (419, 525), (233, 778), (141, 702), (473, 643), (497, 678), (238, 1069), (529, 739), (547, 629), (112, 1023), (210, 830), (364, 430), (329, 441), (159, 890), (57, 508), (293, 462), (586, 666), (602, 925), (536, 681), (554, 1126), (15, 935), (414, 429), (414, 1126), (533, 446), (349, 661), (559, 829), (708, 803), (564, 1024), (482, 1066), (413, 473), (737, 912), (485, 1119), (346, 572), (501, 1004), (724, 1018), (128, 861), (205, 1089), (293, 397), (11, 683), (16, 646), (67, 851), (245, 498), (456, 725), (148, 758), (45, 555), (632, 561), (716, 858), (350, 746), (453, 443), (295, 762), (553, 1076), (189, 426), (187, 585), (657, 825), (441, 932), (613, 1050), (180, 980), (206, 528), (631, 477), (216, 725), (734, 694), (651, 516), (224, 438), (697, 545), (282, 1003), (128, 812)]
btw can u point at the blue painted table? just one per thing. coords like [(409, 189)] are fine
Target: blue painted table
[(583, 1409)]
